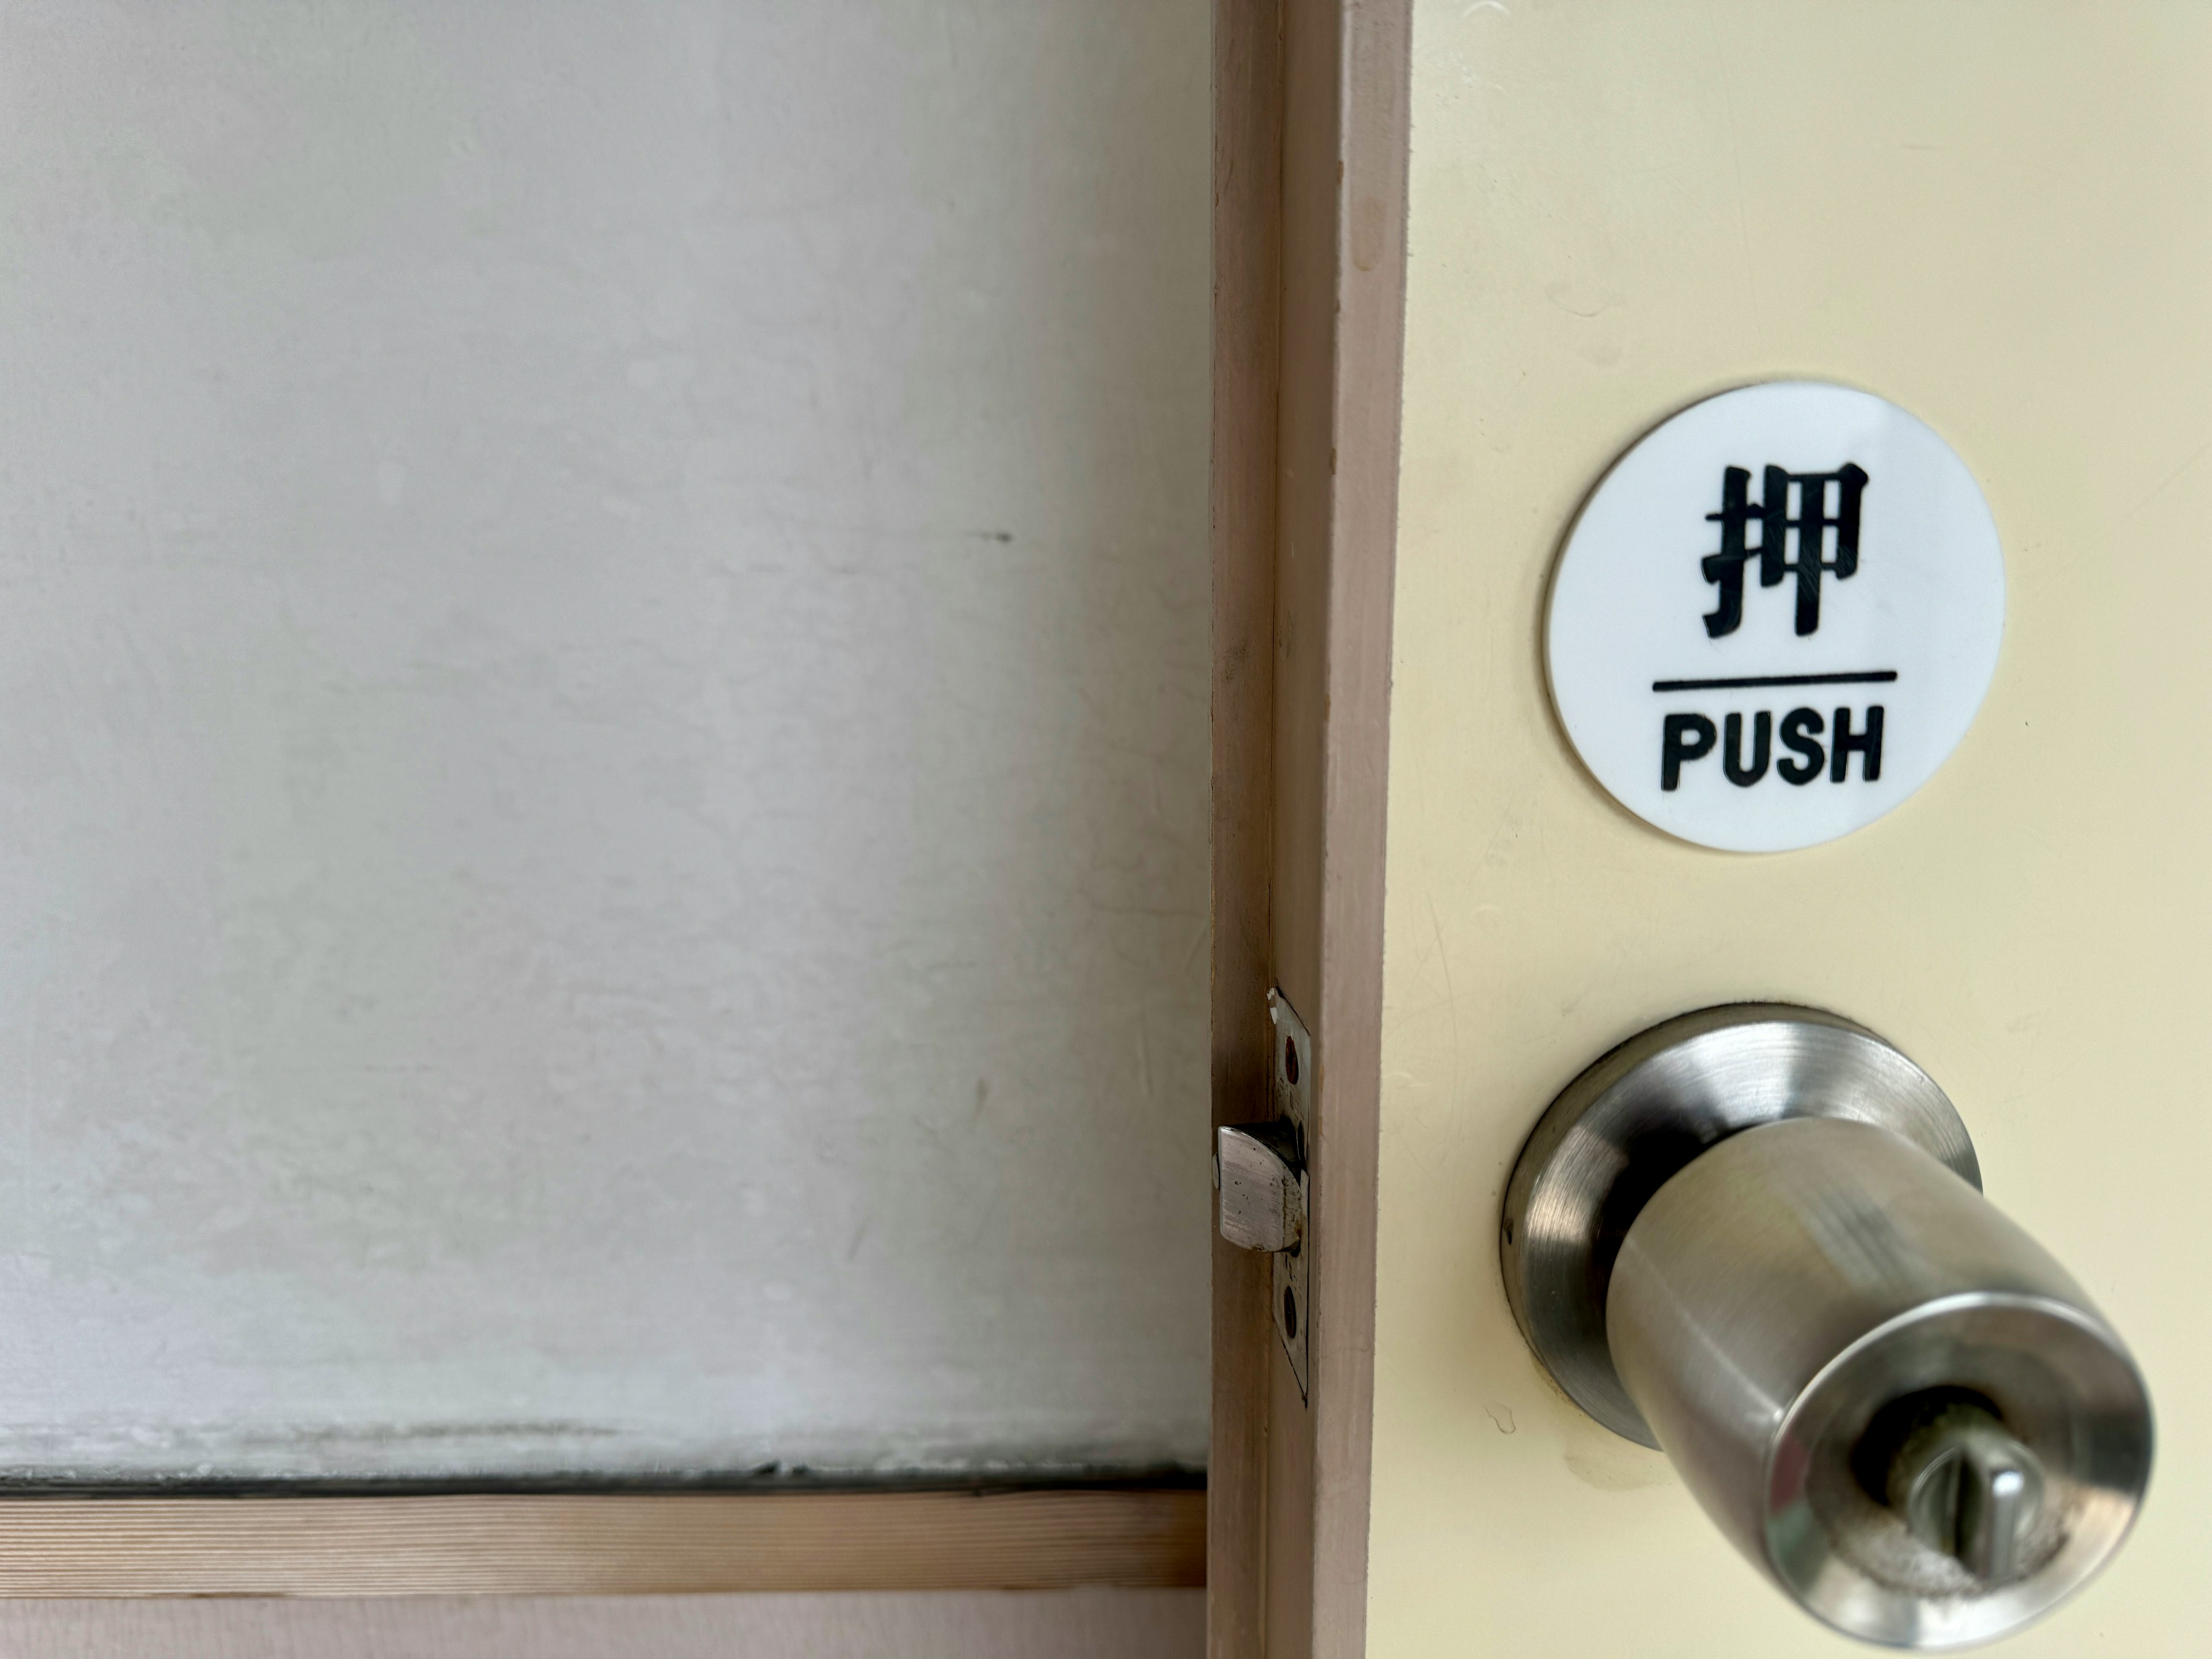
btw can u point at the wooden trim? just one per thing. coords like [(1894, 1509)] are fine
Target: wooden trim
[(1374, 71), (600, 1544), (1310, 150), (1247, 80)]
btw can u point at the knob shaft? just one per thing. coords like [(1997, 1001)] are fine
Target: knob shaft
[(1754, 1238), (1774, 1297)]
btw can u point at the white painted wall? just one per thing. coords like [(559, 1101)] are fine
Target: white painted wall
[(603, 675)]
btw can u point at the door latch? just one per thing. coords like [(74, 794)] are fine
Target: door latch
[(1259, 1170), (1263, 1200)]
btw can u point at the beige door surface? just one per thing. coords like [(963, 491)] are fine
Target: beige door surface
[(1999, 216)]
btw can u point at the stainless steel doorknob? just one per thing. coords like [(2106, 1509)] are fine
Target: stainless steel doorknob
[(1754, 1238)]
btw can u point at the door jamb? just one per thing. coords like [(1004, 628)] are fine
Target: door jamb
[(1310, 140)]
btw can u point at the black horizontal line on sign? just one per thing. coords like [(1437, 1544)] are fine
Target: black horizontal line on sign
[(1867, 676)]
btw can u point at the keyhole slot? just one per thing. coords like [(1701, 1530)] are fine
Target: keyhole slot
[(1960, 1481)]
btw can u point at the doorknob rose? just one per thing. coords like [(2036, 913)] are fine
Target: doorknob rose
[(1754, 1238)]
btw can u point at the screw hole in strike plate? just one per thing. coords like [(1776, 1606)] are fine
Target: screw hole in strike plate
[(1290, 1060), (1290, 1315)]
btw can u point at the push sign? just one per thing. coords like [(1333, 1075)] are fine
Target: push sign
[(1776, 616)]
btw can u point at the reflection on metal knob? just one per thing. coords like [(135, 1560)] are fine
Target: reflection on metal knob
[(1754, 1238)]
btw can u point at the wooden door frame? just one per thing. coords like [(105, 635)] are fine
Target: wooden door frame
[(1310, 139), (601, 1543)]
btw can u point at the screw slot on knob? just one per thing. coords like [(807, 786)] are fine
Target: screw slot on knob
[(1961, 1482)]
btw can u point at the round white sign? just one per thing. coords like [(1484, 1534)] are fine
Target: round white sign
[(1776, 617)]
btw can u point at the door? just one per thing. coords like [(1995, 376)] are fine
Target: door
[(1995, 218), (1868, 341)]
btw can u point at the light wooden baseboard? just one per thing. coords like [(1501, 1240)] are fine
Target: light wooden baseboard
[(600, 1543)]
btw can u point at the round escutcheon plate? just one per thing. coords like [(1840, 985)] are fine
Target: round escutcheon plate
[(1776, 616)]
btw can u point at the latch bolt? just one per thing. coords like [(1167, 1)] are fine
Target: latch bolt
[(1263, 1206)]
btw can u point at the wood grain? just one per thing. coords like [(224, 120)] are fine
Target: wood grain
[(1076, 1624), (600, 1543)]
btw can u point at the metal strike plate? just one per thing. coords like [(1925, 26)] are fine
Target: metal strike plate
[(1260, 1171), (1291, 1073)]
